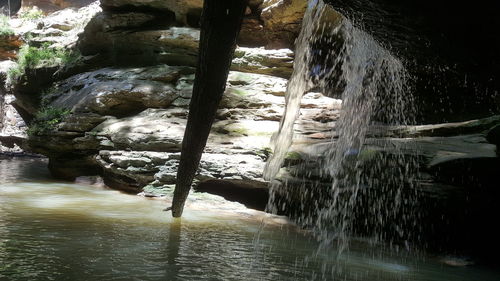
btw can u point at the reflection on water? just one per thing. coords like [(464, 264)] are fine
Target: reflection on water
[(22, 169), (60, 231)]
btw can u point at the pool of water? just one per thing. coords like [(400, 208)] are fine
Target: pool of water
[(53, 230)]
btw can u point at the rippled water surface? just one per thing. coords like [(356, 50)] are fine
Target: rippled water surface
[(61, 231)]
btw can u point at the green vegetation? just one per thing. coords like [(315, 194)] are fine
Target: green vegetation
[(5, 29), (293, 155), (238, 131), (46, 120), (46, 95), (368, 154), (239, 92), (30, 57), (264, 153), (32, 14)]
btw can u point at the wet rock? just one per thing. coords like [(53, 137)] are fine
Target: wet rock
[(444, 129), (457, 261), (493, 135)]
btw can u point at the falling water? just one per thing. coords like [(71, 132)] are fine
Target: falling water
[(374, 87)]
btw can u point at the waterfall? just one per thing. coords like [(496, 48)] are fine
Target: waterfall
[(337, 57)]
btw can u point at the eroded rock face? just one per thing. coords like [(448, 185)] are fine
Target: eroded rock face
[(140, 38), (181, 8), (119, 92), (274, 24), (9, 45), (170, 45), (104, 116), (282, 19), (12, 126), (132, 170)]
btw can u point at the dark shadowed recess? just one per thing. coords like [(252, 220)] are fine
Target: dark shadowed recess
[(9, 7), (450, 47)]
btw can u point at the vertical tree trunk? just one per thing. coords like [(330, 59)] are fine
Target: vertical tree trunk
[(220, 26)]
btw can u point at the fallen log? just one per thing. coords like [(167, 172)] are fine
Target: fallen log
[(220, 26)]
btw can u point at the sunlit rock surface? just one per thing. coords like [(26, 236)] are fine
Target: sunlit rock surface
[(144, 109)]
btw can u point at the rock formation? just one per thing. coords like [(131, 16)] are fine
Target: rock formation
[(115, 104)]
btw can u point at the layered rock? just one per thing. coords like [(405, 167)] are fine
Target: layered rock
[(128, 110), (9, 44), (182, 9), (270, 23), (135, 38)]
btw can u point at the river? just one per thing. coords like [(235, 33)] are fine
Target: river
[(51, 230)]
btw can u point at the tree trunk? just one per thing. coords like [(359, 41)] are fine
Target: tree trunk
[(220, 26)]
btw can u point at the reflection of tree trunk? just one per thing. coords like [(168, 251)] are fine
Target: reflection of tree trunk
[(220, 26), (2, 101), (174, 242)]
